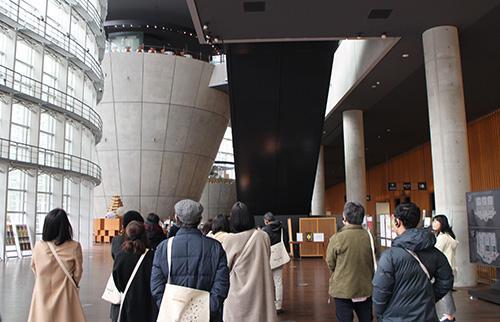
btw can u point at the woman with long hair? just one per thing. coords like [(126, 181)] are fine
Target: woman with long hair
[(446, 242), (251, 290), (220, 228), (57, 264), (138, 304)]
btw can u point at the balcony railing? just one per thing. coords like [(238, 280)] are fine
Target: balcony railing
[(51, 98), (87, 8), (29, 23), (34, 156)]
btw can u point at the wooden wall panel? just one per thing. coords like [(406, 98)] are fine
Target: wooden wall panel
[(416, 165)]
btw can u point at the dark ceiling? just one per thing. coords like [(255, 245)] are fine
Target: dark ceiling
[(396, 116), (297, 19), (151, 11)]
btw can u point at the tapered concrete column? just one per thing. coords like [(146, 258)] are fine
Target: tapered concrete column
[(318, 197), (449, 145), (354, 153)]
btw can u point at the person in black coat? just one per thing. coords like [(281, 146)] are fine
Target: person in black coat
[(276, 231), (138, 304), (402, 291), (154, 231), (197, 261), (116, 247)]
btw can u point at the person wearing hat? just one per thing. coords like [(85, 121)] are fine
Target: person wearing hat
[(198, 261), (116, 247)]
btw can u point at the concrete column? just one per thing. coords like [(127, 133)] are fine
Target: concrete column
[(354, 154), (318, 197), (449, 144)]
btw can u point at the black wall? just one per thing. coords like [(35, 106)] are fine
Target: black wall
[(278, 94)]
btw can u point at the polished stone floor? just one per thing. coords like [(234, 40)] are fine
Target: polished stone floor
[(305, 285)]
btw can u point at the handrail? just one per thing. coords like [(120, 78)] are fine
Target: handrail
[(166, 50), (39, 157), (92, 11), (45, 30), (52, 98)]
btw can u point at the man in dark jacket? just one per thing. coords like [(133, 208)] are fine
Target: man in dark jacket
[(154, 231), (197, 261), (402, 290), (275, 230)]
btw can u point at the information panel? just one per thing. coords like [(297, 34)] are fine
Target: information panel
[(483, 214)]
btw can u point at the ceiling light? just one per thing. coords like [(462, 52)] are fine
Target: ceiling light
[(388, 130), (405, 55), (324, 132), (207, 36), (374, 86), (378, 83), (147, 26), (383, 35), (156, 26), (216, 39), (205, 27)]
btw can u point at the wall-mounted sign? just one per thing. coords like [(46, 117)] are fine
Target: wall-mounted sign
[(392, 186), (422, 186), (406, 185)]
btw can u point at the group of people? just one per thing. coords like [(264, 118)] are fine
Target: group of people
[(408, 280), (232, 264)]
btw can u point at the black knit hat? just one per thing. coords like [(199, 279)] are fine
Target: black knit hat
[(131, 215)]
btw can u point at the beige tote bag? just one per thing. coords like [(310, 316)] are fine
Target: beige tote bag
[(180, 303), (279, 255)]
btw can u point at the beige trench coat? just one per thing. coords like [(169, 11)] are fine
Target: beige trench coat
[(55, 299), (251, 291)]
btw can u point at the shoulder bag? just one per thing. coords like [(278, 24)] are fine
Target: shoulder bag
[(61, 264), (180, 303), (372, 244), (420, 263), (279, 255), (111, 293)]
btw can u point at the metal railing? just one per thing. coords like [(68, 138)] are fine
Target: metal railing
[(51, 98), (30, 23), (35, 156), (222, 170), (165, 50), (87, 8)]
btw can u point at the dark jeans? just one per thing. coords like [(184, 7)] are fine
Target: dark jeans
[(344, 308)]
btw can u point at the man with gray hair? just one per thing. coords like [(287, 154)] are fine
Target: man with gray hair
[(198, 262), (350, 259)]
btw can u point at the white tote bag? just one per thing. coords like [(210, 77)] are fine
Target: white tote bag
[(111, 293), (279, 255), (180, 303)]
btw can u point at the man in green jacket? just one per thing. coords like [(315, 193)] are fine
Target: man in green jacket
[(350, 259)]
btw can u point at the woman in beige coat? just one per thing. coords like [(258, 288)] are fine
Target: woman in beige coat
[(447, 244), (251, 291), (55, 295)]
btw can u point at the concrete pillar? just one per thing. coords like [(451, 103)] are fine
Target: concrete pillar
[(354, 154), (318, 197), (449, 144)]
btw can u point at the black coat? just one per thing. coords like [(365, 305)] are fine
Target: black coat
[(138, 305), (197, 262), (274, 231), (401, 290), (116, 247), (155, 234)]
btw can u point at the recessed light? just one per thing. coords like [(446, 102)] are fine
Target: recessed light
[(383, 35), (405, 55), (324, 132), (388, 130), (378, 83), (205, 27), (374, 86)]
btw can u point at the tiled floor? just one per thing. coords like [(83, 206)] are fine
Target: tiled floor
[(305, 285)]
